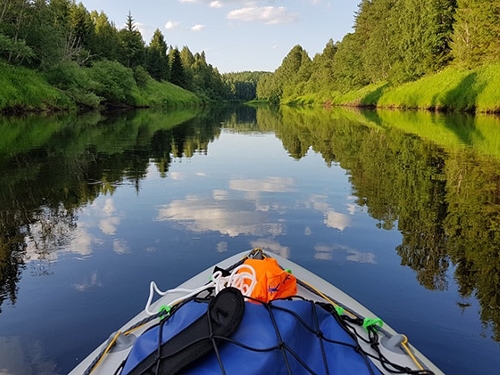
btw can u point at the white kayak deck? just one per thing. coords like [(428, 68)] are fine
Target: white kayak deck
[(114, 357)]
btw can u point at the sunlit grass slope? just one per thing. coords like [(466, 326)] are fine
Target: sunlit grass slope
[(69, 86), (452, 89), (163, 94), (23, 89)]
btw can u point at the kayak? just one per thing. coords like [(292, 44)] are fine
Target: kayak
[(255, 313)]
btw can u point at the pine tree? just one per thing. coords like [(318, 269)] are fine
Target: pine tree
[(106, 34), (82, 33), (289, 73), (348, 69), (476, 37), (131, 44), (423, 33), (177, 73), (156, 57), (379, 38)]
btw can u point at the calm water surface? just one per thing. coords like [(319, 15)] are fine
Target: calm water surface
[(400, 210)]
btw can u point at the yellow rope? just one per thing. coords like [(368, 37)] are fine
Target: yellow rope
[(108, 348), (325, 297), (407, 349)]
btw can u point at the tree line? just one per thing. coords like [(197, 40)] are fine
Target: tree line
[(55, 36), (393, 41)]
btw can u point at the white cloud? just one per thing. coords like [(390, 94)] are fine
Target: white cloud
[(270, 15), (144, 29), (325, 252), (220, 195), (109, 207), (93, 281), (332, 219), (273, 246), (176, 176), (359, 257), (216, 4), (81, 242), (170, 25), (351, 208), (222, 247), (228, 217), (109, 225), (269, 184), (197, 27), (120, 246), (336, 220)]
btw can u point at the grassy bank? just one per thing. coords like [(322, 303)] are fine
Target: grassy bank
[(69, 86), (164, 94), (24, 90), (475, 90), (452, 89)]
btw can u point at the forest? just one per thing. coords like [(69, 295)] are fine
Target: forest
[(431, 54), (84, 55), (449, 44)]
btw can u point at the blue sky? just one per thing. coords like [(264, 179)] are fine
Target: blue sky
[(237, 35)]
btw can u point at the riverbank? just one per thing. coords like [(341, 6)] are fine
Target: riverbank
[(23, 90), (451, 90), (109, 85)]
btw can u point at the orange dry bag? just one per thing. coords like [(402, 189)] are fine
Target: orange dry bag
[(272, 281)]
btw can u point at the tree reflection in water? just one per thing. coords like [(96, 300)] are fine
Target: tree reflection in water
[(408, 170)]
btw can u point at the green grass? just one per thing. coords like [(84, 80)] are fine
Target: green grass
[(164, 94), (25, 90), (452, 89), (365, 97)]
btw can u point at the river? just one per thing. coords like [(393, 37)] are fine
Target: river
[(401, 210)]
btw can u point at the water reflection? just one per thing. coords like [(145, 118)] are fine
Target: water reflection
[(18, 354), (53, 169), (230, 217), (333, 219), (326, 252), (434, 178), (269, 184)]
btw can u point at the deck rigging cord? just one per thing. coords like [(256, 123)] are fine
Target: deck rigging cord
[(245, 281)]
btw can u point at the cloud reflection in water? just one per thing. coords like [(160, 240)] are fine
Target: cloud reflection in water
[(232, 217)]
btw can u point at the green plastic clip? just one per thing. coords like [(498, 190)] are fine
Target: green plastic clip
[(164, 311), (369, 322), (288, 270), (340, 310)]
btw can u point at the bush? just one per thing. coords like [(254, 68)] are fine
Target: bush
[(112, 81), (141, 77), (76, 82), (68, 76)]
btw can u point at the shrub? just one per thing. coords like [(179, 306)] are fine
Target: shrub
[(112, 81), (141, 77)]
